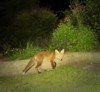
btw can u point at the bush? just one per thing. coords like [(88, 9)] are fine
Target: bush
[(87, 13), (29, 26), (35, 23), (25, 53), (73, 38)]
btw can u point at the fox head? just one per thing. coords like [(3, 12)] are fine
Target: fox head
[(59, 55)]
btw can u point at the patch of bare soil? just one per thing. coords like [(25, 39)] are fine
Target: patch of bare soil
[(4, 58), (12, 68), (89, 66), (90, 61)]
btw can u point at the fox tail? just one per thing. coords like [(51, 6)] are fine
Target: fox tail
[(29, 65)]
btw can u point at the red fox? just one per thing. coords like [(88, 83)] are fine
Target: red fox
[(43, 57)]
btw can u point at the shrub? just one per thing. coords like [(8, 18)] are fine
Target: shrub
[(87, 13), (29, 26), (73, 38), (38, 22), (25, 53)]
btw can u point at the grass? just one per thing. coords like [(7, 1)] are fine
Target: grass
[(25, 53), (63, 79)]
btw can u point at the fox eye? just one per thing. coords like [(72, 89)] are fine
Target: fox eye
[(61, 59)]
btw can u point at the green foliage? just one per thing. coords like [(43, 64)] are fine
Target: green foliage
[(92, 14), (88, 14), (34, 24), (25, 53), (73, 38), (31, 25)]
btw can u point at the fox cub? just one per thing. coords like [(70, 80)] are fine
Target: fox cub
[(44, 57)]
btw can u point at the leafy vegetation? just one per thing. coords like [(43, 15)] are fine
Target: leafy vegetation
[(87, 13), (25, 53), (37, 23), (73, 38), (24, 22), (34, 25)]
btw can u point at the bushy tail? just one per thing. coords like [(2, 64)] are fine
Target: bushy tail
[(29, 65)]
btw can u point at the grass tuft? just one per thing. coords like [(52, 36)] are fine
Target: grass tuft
[(25, 53)]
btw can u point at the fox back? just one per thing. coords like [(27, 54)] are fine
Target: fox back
[(45, 58)]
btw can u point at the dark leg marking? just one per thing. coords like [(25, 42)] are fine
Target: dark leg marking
[(53, 64)]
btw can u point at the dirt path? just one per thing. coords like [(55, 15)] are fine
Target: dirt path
[(90, 60)]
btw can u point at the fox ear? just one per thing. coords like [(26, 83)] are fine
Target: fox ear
[(62, 51), (56, 51)]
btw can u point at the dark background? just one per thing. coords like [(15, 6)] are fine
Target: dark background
[(10, 25), (55, 5)]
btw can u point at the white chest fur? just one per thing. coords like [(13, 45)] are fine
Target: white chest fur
[(46, 65)]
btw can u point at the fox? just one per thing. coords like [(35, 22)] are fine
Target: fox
[(42, 58)]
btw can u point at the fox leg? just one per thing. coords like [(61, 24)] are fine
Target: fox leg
[(29, 65), (27, 69), (38, 66), (53, 64)]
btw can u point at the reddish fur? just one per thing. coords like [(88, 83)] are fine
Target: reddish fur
[(39, 59), (29, 65)]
